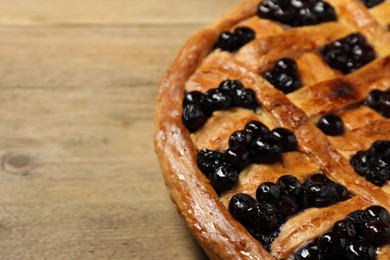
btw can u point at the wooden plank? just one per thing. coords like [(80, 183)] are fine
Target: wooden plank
[(111, 12)]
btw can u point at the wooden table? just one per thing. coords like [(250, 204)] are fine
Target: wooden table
[(78, 78)]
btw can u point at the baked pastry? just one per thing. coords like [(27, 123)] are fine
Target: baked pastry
[(273, 135)]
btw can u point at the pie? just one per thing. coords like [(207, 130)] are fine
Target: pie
[(273, 131)]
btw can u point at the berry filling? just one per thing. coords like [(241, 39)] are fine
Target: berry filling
[(297, 12), (233, 41), (379, 101), (331, 124), (284, 76), (374, 164), (349, 53), (371, 3), (357, 236), (198, 106), (276, 202)]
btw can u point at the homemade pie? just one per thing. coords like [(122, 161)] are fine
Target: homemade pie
[(273, 131)]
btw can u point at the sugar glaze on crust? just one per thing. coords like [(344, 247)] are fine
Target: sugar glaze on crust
[(219, 234)]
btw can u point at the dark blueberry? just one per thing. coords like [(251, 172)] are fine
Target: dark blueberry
[(208, 161), (382, 150), (304, 200), (194, 97), (308, 253), (240, 138), (239, 205), (379, 101), (268, 192), (342, 192), (332, 244), (229, 87), (262, 215), (378, 177), (345, 227), (349, 53), (244, 35), (371, 3), (359, 218), (284, 76), (193, 117), (245, 98), (264, 237), (360, 162), (289, 185), (360, 250), (324, 12), (287, 207), (331, 124), (287, 139), (266, 149), (223, 178), (323, 196), (280, 11), (217, 100), (378, 213), (317, 179), (257, 129), (227, 41), (239, 158), (377, 233)]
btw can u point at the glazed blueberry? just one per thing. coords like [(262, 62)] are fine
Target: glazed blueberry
[(308, 253), (317, 179), (217, 100), (264, 237), (345, 227), (223, 178), (382, 150), (257, 129), (378, 177), (239, 205), (358, 250), (268, 192), (323, 196), (229, 87), (244, 35), (332, 244), (194, 97), (240, 138), (348, 54), (239, 158), (360, 162), (263, 215), (193, 117), (371, 3), (331, 124), (379, 101), (208, 161), (296, 12), (286, 138), (342, 192), (359, 218), (377, 232), (227, 41), (284, 76), (266, 149), (289, 185), (287, 207), (378, 213), (245, 98), (304, 200)]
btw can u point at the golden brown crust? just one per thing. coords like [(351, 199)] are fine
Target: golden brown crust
[(194, 69)]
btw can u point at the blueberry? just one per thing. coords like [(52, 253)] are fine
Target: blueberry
[(208, 161), (359, 218), (381, 149), (223, 178), (239, 158), (257, 129), (289, 185), (360, 162), (332, 244), (360, 250), (379, 101), (245, 98), (241, 139), (264, 237), (331, 124), (371, 3), (194, 97), (229, 87), (378, 177), (227, 41), (317, 179), (304, 200), (345, 227), (266, 149), (244, 35), (323, 196), (284, 76), (377, 233), (286, 65), (263, 215), (217, 100), (193, 117), (308, 253), (342, 192), (378, 213), (286, 138), (239, 205), (287, 207), (268, 192), (349, 53)]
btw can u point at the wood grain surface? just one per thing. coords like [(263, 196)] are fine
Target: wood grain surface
[(78, 79)]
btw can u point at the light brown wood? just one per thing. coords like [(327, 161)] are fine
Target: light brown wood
[(78, 79)]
